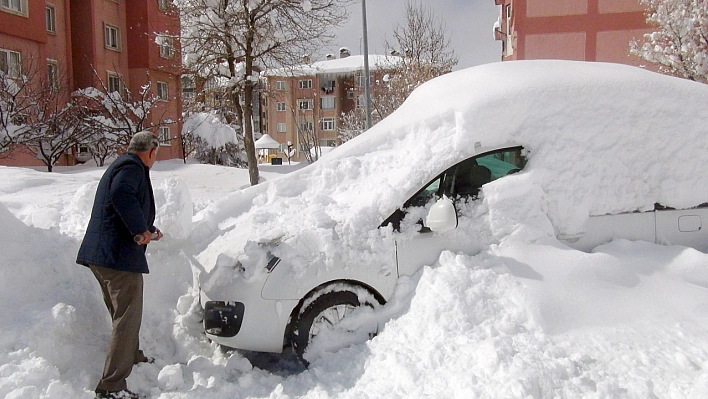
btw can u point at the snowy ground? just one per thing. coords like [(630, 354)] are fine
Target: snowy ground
[(519, 320)]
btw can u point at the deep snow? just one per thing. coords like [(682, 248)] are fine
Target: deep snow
[(525, 317), (519, 320)]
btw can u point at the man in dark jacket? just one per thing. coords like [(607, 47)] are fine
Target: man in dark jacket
[(117, 235)]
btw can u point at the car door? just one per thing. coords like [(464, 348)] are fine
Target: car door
[(687, 227), (463, 183)]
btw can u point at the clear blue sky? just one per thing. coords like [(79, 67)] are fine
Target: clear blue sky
[(469, 25)]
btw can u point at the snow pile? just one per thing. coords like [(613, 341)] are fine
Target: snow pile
[(210, 129)]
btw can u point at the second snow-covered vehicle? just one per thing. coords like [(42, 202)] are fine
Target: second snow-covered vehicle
[(579, 153)]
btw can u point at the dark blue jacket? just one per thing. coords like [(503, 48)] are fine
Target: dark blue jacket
[(124, 207)]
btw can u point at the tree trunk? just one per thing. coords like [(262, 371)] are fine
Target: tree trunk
[(248, 141)]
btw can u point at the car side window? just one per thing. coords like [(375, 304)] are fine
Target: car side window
[(464, 181)]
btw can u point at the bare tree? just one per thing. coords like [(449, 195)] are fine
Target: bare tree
[(309, 139), (15, 100), (420, 52), (680, 46), (51, 129), (113, 115), (229, 37)]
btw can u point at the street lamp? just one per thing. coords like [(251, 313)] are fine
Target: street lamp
[(367, 88)]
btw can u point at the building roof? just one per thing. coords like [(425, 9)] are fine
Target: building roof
[(345, 65)]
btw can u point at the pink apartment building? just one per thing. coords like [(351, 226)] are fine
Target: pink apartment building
[(313, 96), (585, 30), (135, 40)]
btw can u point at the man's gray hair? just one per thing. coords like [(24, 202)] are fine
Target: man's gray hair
[(143, 142)]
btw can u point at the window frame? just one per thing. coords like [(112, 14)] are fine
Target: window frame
[(281, 127), (8, 7), (166, 46), (163, 91), (306, 126), (279, 85), (332, 99), (330, 122), (11, 72), (52, 73), (114, 76), (164, 5), (107, 29), (280, 106), (304, 84), (50, 18), (307, 101), (164, 142)]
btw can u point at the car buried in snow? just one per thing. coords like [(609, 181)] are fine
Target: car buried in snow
[(572, 152)]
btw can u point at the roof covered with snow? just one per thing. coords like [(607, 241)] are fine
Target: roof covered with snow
[(350, 64)]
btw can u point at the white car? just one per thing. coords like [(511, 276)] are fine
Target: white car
[(579, 153)]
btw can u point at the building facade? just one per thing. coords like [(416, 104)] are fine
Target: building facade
[(583, 30), (305, 103), (119, 44)]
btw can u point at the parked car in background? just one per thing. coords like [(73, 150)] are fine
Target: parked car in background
[(580, 153)]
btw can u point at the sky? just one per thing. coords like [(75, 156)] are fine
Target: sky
[(469, 25)]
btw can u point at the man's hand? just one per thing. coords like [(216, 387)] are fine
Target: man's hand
[(147, 236)]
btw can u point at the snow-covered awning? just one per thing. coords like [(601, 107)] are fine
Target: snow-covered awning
[(266, 142)]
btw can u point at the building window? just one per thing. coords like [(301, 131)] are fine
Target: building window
[(327, 102), (51, 17), (281, 106), (361, 80), (327, 123), (509, 31), (162, 92), (350, 94), (164, 136), (304, 104), (164, 5), (281, 128), (166, 43), (15, 6), (280, 85), (304, 84), (361, 101), (112, 37), (53, 74), (306, 126), (188, 87), (328, 143), (115, 84), (11, 63)]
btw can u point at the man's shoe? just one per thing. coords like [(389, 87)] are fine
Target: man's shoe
[(141, 358), (103, 394)]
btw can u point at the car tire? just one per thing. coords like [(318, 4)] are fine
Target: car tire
[(329, 308)]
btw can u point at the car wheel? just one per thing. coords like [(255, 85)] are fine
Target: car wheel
[(318, 326)]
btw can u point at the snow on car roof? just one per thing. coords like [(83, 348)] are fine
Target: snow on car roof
[(602, 138)]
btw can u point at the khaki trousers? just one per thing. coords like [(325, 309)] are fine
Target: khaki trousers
[(123, 295)]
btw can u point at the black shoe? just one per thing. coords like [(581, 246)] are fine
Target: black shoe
[(126, 394), (141, 358)]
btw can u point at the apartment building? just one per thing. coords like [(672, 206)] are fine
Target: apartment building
[(122, 44), (308, 100), (585, 30)]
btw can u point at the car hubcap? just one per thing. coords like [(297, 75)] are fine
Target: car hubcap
[(329, 318)]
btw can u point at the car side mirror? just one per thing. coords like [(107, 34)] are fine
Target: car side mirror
[(442, 216)]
